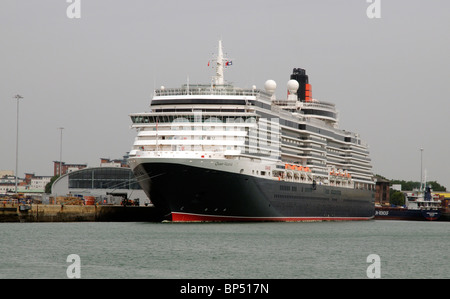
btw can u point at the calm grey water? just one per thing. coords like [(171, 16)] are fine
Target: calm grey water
[(226, 250)]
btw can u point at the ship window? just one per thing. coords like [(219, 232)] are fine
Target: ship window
[(104, 178)]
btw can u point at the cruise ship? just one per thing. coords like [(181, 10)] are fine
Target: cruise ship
[(216, 152)]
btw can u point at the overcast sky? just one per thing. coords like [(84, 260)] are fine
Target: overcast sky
[(389, 77)]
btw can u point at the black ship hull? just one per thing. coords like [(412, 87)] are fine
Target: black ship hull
[(187, 193)]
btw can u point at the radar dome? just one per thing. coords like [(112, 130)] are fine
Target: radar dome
[(270, 86), (293, 86)]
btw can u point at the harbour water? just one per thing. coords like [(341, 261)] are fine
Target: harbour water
[(117, 250)]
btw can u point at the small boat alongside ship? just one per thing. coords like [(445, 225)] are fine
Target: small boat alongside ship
[(419, 205)]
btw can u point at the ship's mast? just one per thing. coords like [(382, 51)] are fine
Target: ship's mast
[(221, 63), (219, 66)]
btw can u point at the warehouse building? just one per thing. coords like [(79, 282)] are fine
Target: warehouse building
[(110, 185)]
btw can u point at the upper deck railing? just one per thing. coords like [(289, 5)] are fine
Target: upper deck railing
[(223, 90), (315, 104)]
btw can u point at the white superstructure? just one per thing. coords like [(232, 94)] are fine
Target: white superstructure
[(259, 135)]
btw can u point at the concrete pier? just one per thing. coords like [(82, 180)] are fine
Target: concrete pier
[(78, 213)]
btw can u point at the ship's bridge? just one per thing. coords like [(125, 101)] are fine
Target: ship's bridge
[(208, 98)]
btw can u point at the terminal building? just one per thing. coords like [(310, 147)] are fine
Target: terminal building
[(109, 184)]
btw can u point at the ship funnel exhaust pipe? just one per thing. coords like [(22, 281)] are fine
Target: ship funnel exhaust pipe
[(304, 93)]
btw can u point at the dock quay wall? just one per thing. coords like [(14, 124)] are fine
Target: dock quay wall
[(78, 213)]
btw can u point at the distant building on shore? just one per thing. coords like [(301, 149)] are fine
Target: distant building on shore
[(382, 191), (66, 168), (105, 178), (30, 185)]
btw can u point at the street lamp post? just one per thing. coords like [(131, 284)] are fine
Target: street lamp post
[(421, 173), (17, 97), (60, 152)]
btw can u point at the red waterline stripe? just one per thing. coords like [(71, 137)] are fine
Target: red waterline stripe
[(185, 217)]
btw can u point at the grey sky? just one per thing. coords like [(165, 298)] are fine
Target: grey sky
[(388, 77)]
